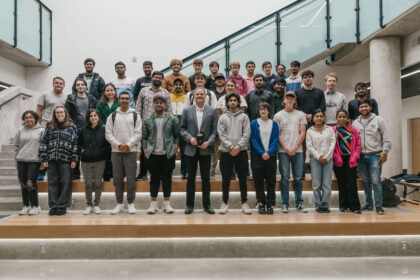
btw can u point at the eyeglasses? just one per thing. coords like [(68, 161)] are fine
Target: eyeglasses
[(159, 103), (124, 98)]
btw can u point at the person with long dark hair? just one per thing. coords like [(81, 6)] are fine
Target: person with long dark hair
[(346, 154), (94, 150), (59, 152), (27, 140)]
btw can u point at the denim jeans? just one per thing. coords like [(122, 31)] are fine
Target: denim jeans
[(27, 173), (370, 171), (297, 168), (321, 181)]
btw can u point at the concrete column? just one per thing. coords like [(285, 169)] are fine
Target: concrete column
[(385, 72)]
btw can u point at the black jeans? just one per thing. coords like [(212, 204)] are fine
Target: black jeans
[(347, 185), (205, 161), (265, 170), (27, 174), (144, 164), (59, 184), (181, 150), (160, 168), (227, 164)]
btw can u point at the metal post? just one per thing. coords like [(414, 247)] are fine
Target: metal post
[(51, 48), (227, 51), (40, 31), (15, 26), (328, 18), (278, 43), (357, 9), (381, 14)]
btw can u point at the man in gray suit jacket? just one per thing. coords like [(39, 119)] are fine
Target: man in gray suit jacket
[(199, 130)]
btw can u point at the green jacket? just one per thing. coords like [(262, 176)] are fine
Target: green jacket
[(104, 112), (170, 134)]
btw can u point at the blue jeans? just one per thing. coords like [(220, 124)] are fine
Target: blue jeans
[(297, 168), (370, 170), (321, 181)]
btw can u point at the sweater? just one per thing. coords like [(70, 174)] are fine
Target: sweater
[(105, 111), (27, 141), (310, 100), (233, 130), (92, 144), (59, 145), (168, 82), (355, 149), (257, 147), (241, 85), (320, 144)]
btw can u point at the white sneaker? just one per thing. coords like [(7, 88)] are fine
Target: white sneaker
[(88, 210), (285, 208), (24, 210), (97, 210), (131, 208), (245, 209), (167, 207), (118, 209), (224, 208), (153, 208), (35, 211)]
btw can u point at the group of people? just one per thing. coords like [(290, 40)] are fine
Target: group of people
[(279, 119)]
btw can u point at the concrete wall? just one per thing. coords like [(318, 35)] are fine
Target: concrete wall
[(410, 49), (12, 73)]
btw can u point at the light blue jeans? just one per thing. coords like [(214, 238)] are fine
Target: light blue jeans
[(297, 168), (370, 170), (321, 181)]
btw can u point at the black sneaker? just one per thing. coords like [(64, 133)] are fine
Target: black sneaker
[(61, 211), (367, 208), (141, 177), (326, 210), (261, 209), (184, 176), (52, 212), (270, 210), (357, 211), (380, 210)]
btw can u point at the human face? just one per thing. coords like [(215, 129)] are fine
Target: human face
[(29, 120), (234, 70), (330, 83), (294, 68), (199, 96), (308, 80), (147, 70), (89, 67), (110, 93), (214, 69), (80, 87), (124, 100), (259, 83), (263, 113), (198, 67), (289, 101), (60, 114), (94, 119), (341, 119), (365, 109), (219, 82), (157, 80), (361, 92), (318, 118), (267, 69), (279, 88), (58, 85), (280, 70), (159, 106), (250, 68), (233, 103), (230, 87), (120, 69), (200, 81), (178, 87), (176, 67)]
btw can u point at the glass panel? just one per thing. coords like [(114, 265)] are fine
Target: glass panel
[(257, 44), (28, 36), (303, 31), (343, 21), (369, 17), (392, 8), (46, 35), (7, 21)]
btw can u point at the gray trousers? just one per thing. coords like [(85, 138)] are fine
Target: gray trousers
[(92, 174), (215, 157), (59, 184), (124, 165)]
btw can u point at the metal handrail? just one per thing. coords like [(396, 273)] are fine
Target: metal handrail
[(14, 97)]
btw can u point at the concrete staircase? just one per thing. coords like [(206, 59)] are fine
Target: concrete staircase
[(10, 195)]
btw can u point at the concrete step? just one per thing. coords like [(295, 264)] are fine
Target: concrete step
[(9, 180), (8, 171), (10, 203), (6, 155), (7, 162), (10, 191), (7, 148)]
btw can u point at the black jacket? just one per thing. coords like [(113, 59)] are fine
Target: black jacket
[(97, 85), (72, 108), (92, 144), (353, 108)]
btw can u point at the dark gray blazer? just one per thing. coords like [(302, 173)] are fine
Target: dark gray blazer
[(189, 128)]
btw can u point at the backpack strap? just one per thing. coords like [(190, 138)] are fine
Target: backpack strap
[(134, 118), (114, 115)]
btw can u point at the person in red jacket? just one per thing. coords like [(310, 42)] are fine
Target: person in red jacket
[(241, 85), (346, 153)]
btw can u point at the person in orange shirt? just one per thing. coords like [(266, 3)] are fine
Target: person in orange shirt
[(168, 81)]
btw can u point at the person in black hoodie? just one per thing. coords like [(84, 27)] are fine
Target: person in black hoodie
[(95, 83), (94, 151)]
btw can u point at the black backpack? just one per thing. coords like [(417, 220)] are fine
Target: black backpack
[(388, 194), (114, 114), (192, 96)]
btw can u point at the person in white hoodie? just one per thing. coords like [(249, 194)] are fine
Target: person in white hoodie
[(234, 130), (320, 141), (123, 131), (27, 141)]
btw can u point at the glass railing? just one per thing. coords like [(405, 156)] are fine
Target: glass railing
[(300, 31), (26, 24)]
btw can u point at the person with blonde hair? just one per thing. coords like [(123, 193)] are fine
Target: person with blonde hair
[(168, 81), (241, 84), (334, 100)]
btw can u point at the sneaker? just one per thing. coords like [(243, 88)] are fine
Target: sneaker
[(380, 210), (301, 209), (52, 212), (245, 209), (141, 177), (327, 210), (61, 211), (88, 210), (285, 208), (118, 209), (223, 209), (167, 207), (261, 209), (35, 211), (131, 208), (270, 210), (357, 211), (184, 176), (367, 208), (153, 208), (212, 177), (97, 210), (24, 211)]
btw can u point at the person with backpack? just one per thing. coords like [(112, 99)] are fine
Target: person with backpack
[(375, 146), (123, 132), (200, 82)]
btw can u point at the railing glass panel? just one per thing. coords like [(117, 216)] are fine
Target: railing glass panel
[(392, 8), (46, 35), (343, 21), (369, 17), (7, 21), (28, 36)]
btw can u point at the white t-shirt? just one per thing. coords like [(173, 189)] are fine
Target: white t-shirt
[(265, 132), (127, 85), (49, 101), (221, 103), (289, 127), (212, 103)]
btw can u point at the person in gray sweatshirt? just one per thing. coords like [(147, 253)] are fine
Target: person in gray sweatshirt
[(26, 145), (375, 146), (234, 130)]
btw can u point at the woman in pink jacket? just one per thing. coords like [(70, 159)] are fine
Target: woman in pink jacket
[(346, 153)]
